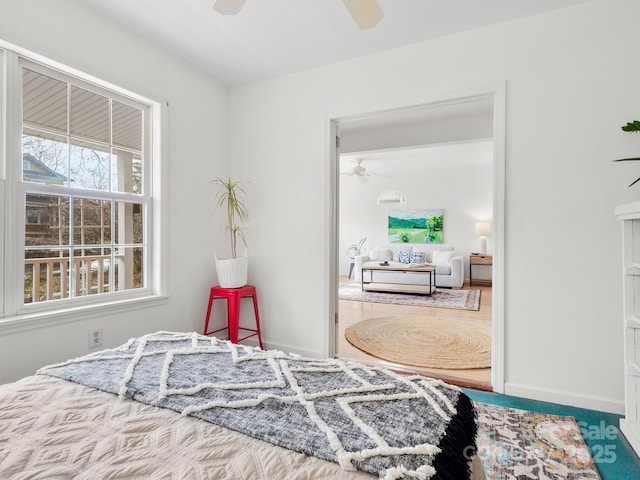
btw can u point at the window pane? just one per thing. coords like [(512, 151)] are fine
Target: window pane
[(44, 101), (129, 223), (46, 221), (91, 271), (126, 172), (89, 166), (91, 221), (128, 268), (89, 115), (44, 158), (46, 275), (127, 126)]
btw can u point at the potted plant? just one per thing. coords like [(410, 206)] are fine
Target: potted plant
[(631, 127), (232, 272), (354, 249)]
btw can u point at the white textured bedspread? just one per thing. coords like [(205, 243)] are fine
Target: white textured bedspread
[(51, 428)]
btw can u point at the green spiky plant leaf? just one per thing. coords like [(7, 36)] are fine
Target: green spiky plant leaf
[(632, 127), (231, 196)]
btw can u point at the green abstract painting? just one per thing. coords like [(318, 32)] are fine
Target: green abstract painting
[(415, 226)]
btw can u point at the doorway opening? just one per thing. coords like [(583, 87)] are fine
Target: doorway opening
[(446, 155)]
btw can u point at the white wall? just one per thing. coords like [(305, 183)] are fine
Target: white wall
[(402, 135), (197, 151), (571, 82), (464, 193)]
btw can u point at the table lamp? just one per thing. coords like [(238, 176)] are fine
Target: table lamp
[(482, 231)]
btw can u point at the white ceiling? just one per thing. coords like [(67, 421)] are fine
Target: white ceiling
[(274, 37)]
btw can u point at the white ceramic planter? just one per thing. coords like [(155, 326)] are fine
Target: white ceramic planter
[(232, 272)]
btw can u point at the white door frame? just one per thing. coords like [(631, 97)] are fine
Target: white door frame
[(497, 92)]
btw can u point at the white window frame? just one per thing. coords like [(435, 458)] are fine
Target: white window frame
[(14, 314)]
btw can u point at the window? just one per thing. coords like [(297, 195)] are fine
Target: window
[(79, 162)]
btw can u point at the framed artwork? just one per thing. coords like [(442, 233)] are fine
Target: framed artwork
[(415, 226)]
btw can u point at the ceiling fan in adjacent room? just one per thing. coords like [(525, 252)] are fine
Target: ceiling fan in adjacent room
[(361, 172), (366, 13)]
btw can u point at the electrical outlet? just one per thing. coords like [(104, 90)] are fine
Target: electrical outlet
[(95, 337)]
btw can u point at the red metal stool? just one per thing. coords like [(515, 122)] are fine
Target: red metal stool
[(233, 296)]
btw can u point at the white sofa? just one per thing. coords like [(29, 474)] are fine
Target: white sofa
[(449, 265)]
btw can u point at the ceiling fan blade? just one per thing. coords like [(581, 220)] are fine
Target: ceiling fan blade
[(366, 13), (228, 7)]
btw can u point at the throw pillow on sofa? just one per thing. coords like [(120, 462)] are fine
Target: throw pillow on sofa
[(417, 257), (402, 257), (442, 257)]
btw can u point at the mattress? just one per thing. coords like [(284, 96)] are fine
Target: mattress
[(54, 428)]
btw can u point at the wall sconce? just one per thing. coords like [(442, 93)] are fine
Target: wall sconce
[(391, 196), (482, 230)]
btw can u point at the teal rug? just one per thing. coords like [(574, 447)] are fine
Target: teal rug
[(613, 456)]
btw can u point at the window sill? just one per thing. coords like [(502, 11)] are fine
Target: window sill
[(51, 318)]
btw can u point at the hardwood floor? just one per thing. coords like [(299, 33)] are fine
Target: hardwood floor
[(350, 312)]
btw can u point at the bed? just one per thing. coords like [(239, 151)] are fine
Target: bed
[(185, 406)]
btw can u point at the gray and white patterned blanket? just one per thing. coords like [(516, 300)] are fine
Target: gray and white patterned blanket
[(360, 417)]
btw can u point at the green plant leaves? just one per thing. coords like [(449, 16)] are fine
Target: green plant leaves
[(231, 195), (632, 126), (630, 160)]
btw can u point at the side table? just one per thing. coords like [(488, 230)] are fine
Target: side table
[(480, 259)]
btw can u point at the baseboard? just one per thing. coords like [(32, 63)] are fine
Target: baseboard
[(573, 399), (253, 342), (287, 349)]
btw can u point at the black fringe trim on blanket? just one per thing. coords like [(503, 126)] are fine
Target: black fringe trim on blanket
[(458, 444)]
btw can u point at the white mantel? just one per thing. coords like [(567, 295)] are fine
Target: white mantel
[(628, 211)]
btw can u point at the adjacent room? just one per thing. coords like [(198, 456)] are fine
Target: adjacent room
[(345, 239), (434, 158)]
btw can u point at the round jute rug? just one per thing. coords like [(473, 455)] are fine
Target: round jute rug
[(424, 342)]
